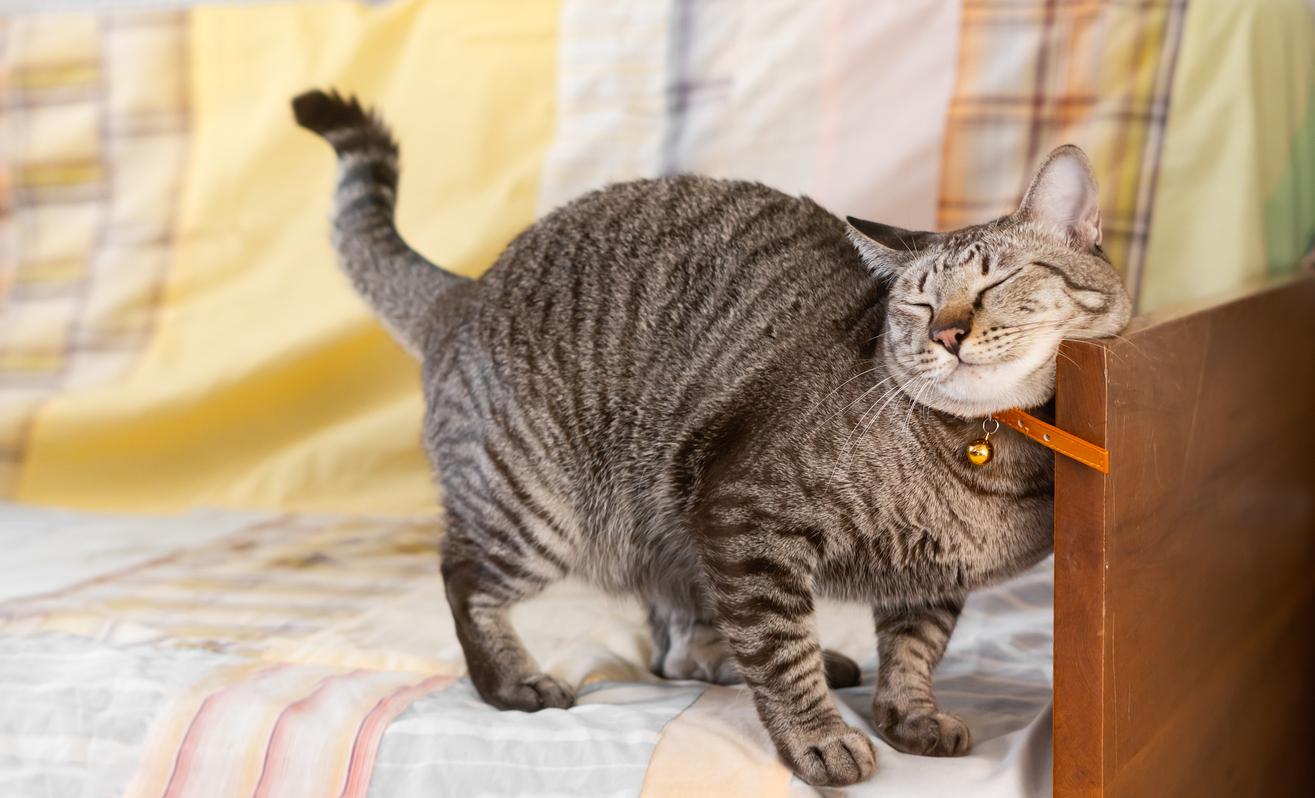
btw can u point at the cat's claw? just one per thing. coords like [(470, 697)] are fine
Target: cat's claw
[(930, 734), (834, 757)]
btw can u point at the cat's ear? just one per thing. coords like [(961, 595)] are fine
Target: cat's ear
[(885, 248), (1063, 197)]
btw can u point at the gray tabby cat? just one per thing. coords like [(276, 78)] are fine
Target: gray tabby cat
[(726, 401)]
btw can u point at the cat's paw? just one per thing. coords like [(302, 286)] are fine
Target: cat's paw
[(539, 691), (833, 757), (929, 734)]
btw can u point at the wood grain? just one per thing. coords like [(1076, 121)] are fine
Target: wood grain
[(1185, 579)]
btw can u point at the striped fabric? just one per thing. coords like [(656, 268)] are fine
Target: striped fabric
[(1094, 73), (777, 91), (214, 654), (95, 132)]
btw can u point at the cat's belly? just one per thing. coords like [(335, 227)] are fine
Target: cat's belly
[(660, 564), (955, 550)]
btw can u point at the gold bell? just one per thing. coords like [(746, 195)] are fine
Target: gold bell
[(980, 451)]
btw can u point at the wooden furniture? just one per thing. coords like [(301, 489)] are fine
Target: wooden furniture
[(1185, 579)]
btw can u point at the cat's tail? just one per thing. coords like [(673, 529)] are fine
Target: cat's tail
[(400, 285)]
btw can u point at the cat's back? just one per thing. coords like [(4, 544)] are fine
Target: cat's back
[(668, 267), (629, 321), (634, 233)]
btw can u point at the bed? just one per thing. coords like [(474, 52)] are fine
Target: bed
[(216, 653)]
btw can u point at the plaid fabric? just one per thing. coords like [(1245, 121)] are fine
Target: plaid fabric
[(94, 129), (1034, 74), (263, 591), (809, 98)]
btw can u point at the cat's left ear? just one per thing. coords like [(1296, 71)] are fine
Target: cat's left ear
[(1063, 197), (884, 248)]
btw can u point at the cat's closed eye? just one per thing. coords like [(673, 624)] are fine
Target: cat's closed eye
[(981, 295)]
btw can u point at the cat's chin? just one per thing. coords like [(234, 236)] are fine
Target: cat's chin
[(979, 390)]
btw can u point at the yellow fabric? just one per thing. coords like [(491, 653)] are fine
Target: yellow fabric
[(267, 382)]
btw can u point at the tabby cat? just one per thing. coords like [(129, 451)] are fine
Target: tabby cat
[(728, 402)]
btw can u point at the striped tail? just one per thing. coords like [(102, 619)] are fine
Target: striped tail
[(400, 285)]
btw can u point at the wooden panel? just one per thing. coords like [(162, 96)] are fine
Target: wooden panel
[(1185, 579), (1080, 576)]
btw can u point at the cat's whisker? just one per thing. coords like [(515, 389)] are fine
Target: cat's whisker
[(878, 336), (915, 379), (849, 451), (853, 402), (889, 396), (1069, 359), (823, 400), (916, 399), (1135, 346)]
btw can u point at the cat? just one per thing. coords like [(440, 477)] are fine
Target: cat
[(728, 402)]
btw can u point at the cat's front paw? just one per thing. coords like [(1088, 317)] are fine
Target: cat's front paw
[(540, 691), (832, 757), (928, 734)]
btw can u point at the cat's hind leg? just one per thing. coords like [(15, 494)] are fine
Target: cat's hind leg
[(486, 571), (687, 645)]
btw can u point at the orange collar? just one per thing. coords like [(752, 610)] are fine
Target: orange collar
[(1052, 437)]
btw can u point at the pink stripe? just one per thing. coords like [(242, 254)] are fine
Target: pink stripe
[(278, 738), (187, 751), (372, 728)]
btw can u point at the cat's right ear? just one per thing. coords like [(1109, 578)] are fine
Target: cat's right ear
[(885, 249)]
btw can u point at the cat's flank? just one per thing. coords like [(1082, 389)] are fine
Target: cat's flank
[(728, 402)]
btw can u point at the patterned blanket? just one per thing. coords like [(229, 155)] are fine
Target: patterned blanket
[(218, 654)]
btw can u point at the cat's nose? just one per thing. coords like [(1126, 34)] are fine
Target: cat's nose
[(950, 335)]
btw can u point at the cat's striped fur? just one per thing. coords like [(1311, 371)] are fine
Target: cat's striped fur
[(707, 394)]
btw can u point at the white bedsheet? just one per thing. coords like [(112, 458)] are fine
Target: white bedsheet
[(221, 654)]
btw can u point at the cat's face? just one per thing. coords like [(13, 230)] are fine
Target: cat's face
[(976, 316)]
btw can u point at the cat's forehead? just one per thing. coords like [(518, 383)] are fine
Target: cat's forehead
[(963, 248), (967, 242), (961, 259)]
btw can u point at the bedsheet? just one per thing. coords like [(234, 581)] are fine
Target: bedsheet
[(219, 654)]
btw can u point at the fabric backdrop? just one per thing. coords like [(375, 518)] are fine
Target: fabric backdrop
[(173, 332)]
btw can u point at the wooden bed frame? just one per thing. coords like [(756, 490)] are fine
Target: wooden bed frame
[(1185, 578)]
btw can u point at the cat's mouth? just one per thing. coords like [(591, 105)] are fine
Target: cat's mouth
[(971, 388), (967, 363)]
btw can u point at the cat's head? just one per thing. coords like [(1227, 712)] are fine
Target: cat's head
[(975, 316)]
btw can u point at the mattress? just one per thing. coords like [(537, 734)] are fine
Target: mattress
[(221, 653)]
